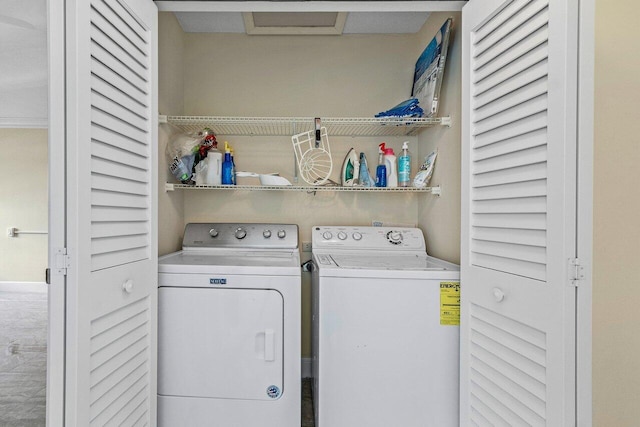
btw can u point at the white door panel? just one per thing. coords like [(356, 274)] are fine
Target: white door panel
[(111, 76), (518, 212), (220, 343)]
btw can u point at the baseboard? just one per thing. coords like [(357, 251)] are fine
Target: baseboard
[(23, 286), (307, 371)]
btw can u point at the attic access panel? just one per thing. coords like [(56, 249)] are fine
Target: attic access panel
[(292, 23)]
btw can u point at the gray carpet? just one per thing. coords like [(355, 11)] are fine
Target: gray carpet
[(307, 403), (23, 358)]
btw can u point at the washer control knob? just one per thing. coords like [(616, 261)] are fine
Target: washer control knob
[(241, 233), (282, 234), (356, 236), (395, 237), (327, 235), (266, 234), (342, 235), (213, 232)]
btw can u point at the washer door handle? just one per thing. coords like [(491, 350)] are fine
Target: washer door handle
[(269, 345)]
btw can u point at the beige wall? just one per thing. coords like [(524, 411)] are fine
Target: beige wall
[(439, 217), (616, 269), (23, 204), (170, 102), (235, 74)]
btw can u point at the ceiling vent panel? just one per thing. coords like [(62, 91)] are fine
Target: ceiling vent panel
[(294, 23)]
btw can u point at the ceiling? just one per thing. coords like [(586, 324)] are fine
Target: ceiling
[(359, 17), (355, 23)]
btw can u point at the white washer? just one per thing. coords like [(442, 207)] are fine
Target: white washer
[(385, 330), (229, 327)]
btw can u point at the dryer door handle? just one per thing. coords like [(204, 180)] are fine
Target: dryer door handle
[(269, 345)]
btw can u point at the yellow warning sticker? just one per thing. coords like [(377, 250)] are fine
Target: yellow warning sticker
[(450, 303)]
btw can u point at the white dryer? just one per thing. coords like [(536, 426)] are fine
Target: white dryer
[(229, 327), (385, 330)]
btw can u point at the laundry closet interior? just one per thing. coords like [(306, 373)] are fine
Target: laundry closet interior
[(352, 75)]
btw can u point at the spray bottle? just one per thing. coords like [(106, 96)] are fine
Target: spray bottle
[(391, 165), (227, 166), (404, 166), (233, 167), (381, 170)]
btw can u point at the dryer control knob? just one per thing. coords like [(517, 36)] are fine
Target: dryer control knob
[(342, 235), (266, 234), (327, 235), (213, 232), (241, 233), (356, 236), (282, 234)]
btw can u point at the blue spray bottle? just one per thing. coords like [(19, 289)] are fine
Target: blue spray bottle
[(381, 170), (227, 166)]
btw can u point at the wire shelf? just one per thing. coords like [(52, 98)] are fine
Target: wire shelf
[(302, 188), (287, 126)]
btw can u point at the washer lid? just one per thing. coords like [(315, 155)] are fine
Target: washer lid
[(383, 262), (382, 266), (418, 262)]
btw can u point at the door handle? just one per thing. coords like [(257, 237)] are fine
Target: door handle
[(498, 295), (269, 345), (127, 286)]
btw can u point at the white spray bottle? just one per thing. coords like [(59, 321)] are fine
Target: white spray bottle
[(392, 167)]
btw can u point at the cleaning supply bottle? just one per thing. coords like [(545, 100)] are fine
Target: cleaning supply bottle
[(365, 177), (214, 167), (233, 167), (404, 166), (391, 164), (227, 166), (381, 170)]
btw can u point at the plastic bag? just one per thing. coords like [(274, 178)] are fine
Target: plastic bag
[(423, 176), (181, 156)]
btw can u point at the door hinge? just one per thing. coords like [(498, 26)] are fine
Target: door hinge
[(576, 271), (62, 261)]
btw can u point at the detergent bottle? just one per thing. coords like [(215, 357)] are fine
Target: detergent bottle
[(391, 165), (213, 163)]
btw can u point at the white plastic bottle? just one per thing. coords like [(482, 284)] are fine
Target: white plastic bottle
[(404, 166), (392, 167), (214, 167)]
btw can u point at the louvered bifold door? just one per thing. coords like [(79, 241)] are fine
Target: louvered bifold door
[(518, 212), (112, 213)]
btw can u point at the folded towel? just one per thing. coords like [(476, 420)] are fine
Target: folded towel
[(408, 108)]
